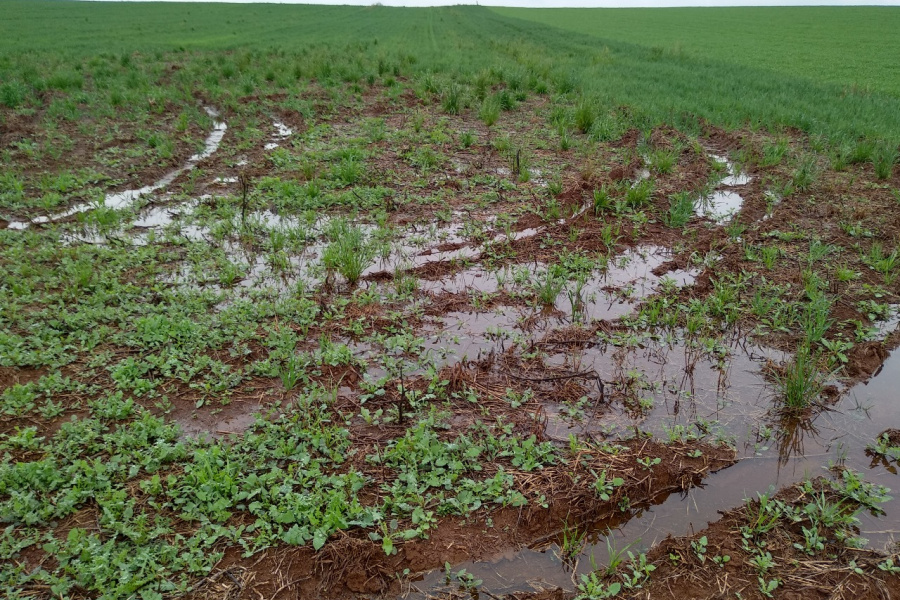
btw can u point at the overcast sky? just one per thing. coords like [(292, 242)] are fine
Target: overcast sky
[(570, 3)]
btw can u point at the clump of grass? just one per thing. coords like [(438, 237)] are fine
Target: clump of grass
[(603, 200), (452, 99), (662, 160), (608, 128), (489, 111), (814, 318), (840, 157), (348, 172), (349, 254), (862, 152), (681, 208), (229, 273), (640, 194), (881, 262), (565, 140), (799, 382), (884, 159), (773, 153), (12, 94), (805, 174), (585, 115), (506, 101), (550, 286), (293, 371), (425, 159)]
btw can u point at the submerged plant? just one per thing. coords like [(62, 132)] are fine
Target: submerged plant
[(550, 286), (799, 382)]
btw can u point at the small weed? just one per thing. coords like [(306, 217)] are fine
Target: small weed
[(489, 111), (550, 286), (681, 209), (350, 254), (605, 487), (573, 542), (640, 194), (699, 547), (885, 157), (602, 200), (799, 382)]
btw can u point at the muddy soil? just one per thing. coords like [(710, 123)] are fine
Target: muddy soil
[(841, 573)]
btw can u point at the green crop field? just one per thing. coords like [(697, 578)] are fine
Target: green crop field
[(802, 79), (353, 302), (854, 48)]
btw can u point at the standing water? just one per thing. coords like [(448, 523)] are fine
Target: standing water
[(773, 453), (127, 198)]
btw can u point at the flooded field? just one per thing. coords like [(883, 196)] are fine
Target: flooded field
[(363, 341)]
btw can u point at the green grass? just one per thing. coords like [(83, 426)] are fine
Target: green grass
[(53, 45), (846, 46)]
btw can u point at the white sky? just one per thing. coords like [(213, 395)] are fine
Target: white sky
[(570, 3)]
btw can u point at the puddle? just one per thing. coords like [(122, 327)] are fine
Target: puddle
[(161, 216), (627, 280), (642, 175), (675, 384), (127, 198), (233, 419), (720, 206), (882, 329), (682, 387), (734, 178), (471, 336), (282, 132), (608, 294), (418, 246)]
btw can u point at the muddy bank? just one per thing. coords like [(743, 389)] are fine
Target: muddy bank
[(792, 545)]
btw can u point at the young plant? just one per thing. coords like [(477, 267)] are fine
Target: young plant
[(699, 547), (489, 111), (350, 254), (293, 370), (573, 542), (799, 382), (884, 160), (681, 209), (605, 487), (549, 287)]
